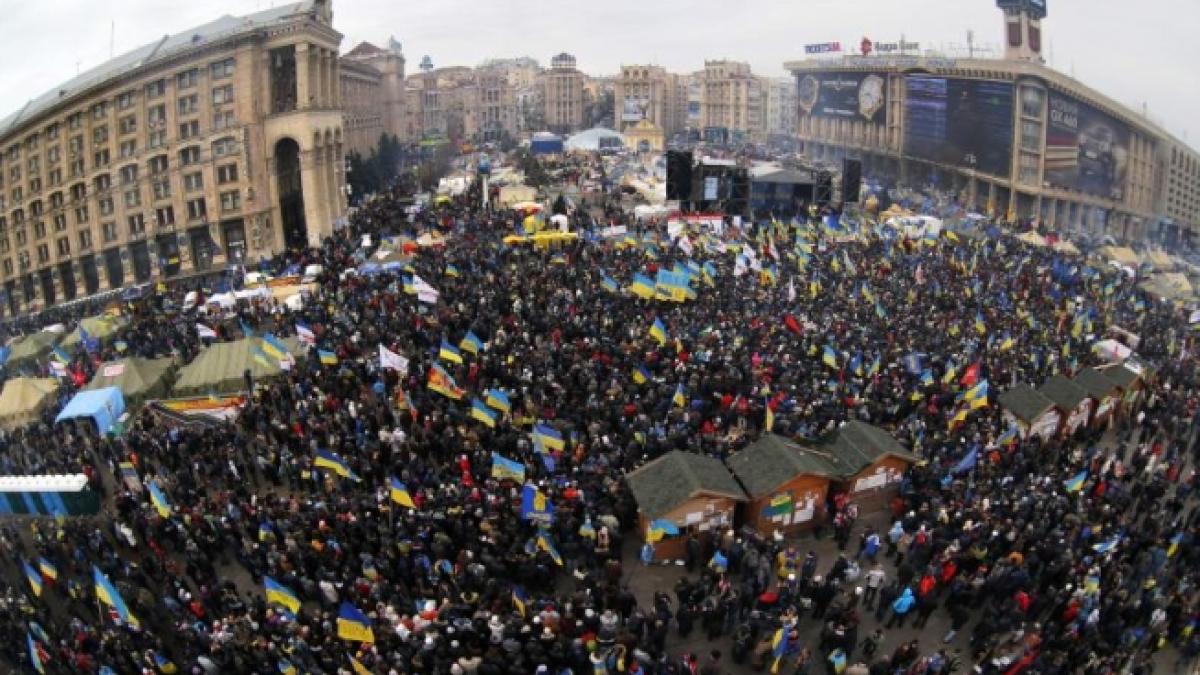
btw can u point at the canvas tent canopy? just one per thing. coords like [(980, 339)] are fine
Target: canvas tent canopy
[(1032, 238), (97, 327), (137, 378), (1121, 254), (24, 398), (677, 477), (104, 406), (32, 347), (220, 367)]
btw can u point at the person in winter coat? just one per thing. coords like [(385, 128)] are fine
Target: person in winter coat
[(901, 607)]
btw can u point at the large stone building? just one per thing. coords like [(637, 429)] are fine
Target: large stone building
[(649, 93), (216, 145), (1010, 136), (562, 95), (780, 111), (733, 101), (373, 95), (461, 104)]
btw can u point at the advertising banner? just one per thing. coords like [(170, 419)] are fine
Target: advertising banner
[(823, 48), (633, 110), (1086, 150), (859, 96), (959, 122)]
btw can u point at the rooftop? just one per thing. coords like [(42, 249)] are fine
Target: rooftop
[(149, 54), (673, 479)]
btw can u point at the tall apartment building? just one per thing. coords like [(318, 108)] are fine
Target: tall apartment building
[(461, 104), (733, 99), (781, 106), (1179, 200), (562, 95), (220, 144), (373, 94), (650, 93)]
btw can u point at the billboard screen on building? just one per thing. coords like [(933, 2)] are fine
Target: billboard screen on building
[(850, 96), (633, 110), (959, 122), (1086, 150)]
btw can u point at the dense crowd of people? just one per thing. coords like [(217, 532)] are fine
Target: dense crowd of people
[(416, 530)]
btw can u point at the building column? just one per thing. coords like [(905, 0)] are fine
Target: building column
[(303, 75), (314, 195), (327, 59), (335, 86)]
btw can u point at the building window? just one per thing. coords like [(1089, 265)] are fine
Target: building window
[(189, 130), (4, 245), (162, 189), (39, 230), (129, 174), (128, 124), (193, 182), (158, 164), (43, 252), (23, 260), (156, 139), (221, 69), (53, 155), (101, 158), (76, 168), (156, 88), (60, 222), (81, 215), (17, 194), (187, 78), (224, 146), (227, 174), (156, 115), (99, 135), (165, 216), (35, 209), (196, 209), (190, 155), (128, 148), (188, 105), (56, 200), (34, 165), (35, 185), (231, 200), (52, 132), (85, 240), (222, 95), (99, 110), (20, 236), (75, 121), (223, 119), (137, 224), (103, 182), (108, 232), (133, 198), (8, 267), (64, 246), (106, 206)]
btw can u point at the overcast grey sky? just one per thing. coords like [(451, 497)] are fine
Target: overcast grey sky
[(1137, 52)]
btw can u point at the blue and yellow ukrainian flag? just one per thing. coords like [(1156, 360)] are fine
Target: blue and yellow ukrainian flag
[(278, 594), (353, 625), (400, 494), (642, 286), (35, 654), (327, 460), (247, 331), (286, 668), (48, 570), (1007, 343), (769, 423), (471, 343), (658, 331), (548, 436), (164, 665), (980, 325), (520, 600), (660, 528), (61, 355), (641, 375), (481, 412), (34, 579), (327, 358), (1008, 436), (108, 594), (450, 353), (1175, 542), (503, 467), (609, 284), (159, 500), (544, 543), (779, 647), (1075, 483), (856, 364), (977, 396), (358, 667), (535, 506), (498, 400), (407, 283), (451, 271), (274, 347), (829, 357), (259, 356), (679, 399)]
